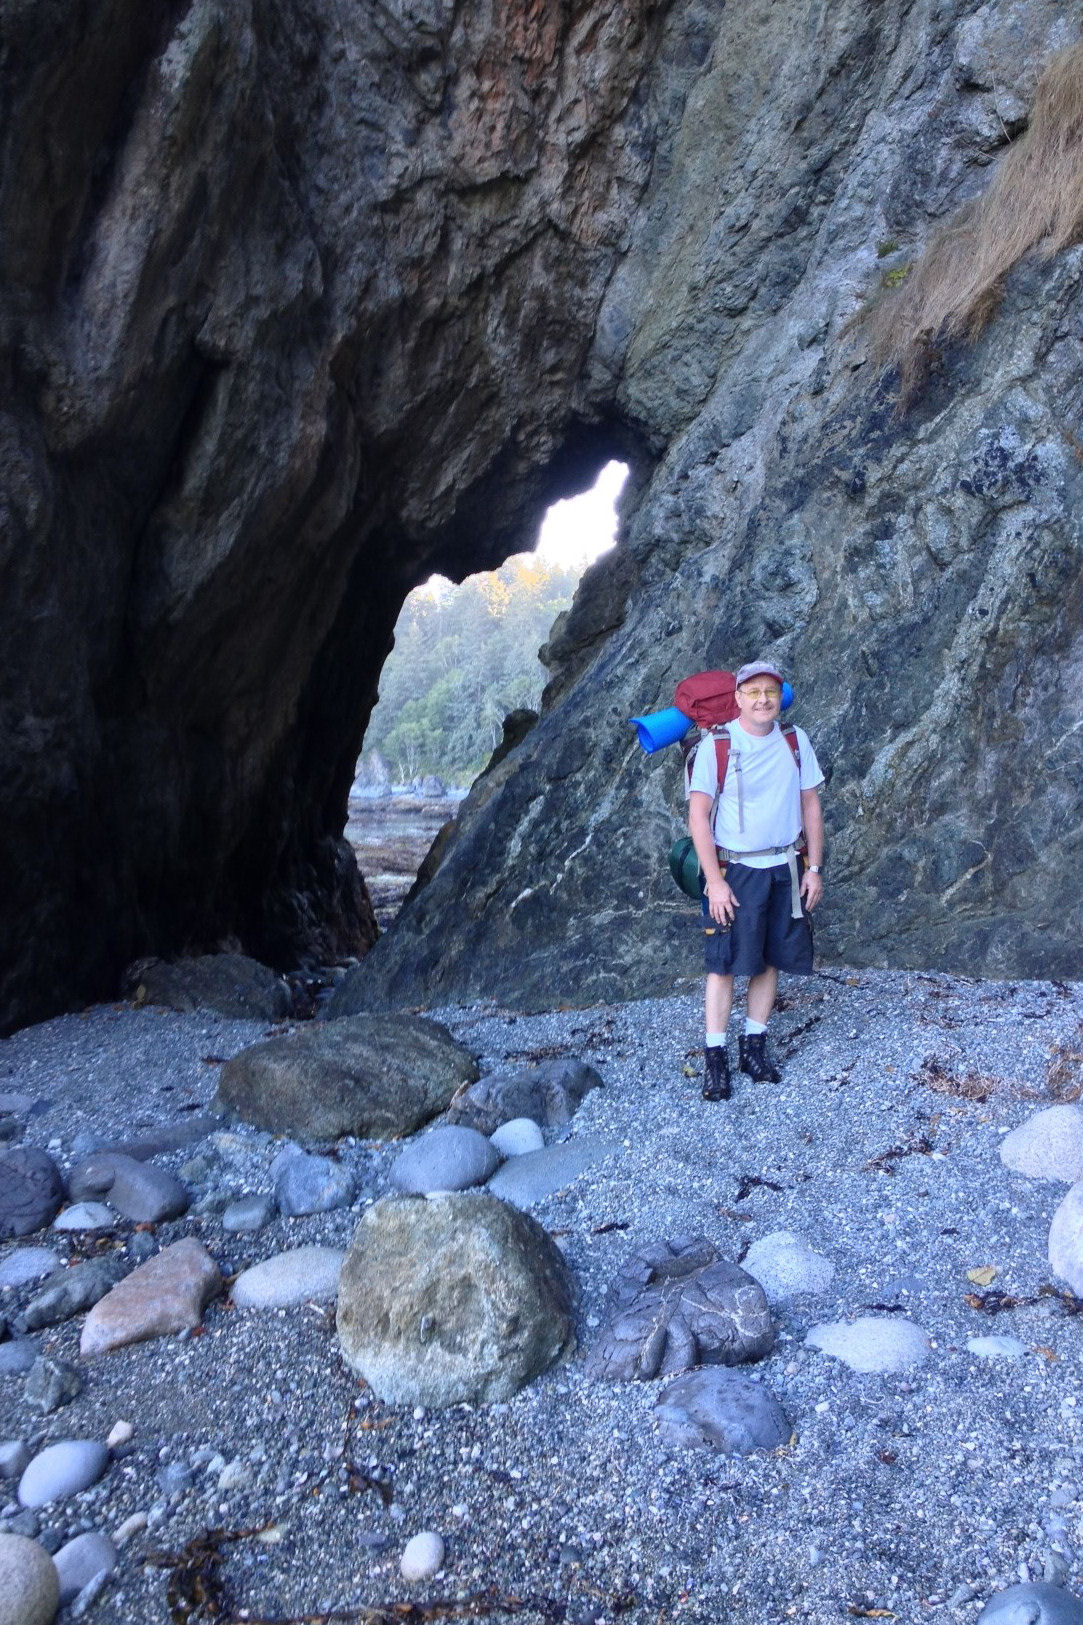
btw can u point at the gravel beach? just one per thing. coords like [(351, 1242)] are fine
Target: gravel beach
[(912, 1495)]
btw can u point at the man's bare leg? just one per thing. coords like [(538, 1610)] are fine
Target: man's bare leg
[(719, 1001), (762, 992), (716, 1065)]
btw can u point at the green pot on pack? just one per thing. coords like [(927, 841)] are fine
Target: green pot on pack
[(685, 869)]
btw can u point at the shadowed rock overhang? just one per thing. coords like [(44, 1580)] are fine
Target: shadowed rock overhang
[(302, 302)]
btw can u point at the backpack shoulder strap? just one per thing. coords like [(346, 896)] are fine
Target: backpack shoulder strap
[(721, 738), (789, 734)]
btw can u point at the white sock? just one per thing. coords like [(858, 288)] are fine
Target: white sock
[(715, 1040), (753, 1027)]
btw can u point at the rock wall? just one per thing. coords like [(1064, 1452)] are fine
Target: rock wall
[(294, 305), (300, 302), (918, 573)]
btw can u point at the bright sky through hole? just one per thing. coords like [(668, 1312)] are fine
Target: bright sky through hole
[(574, 532)]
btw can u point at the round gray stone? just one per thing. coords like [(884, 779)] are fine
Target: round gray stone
[(458, 1298), (62, 1469), (18, 1356), (14, 1457), (1033, 1604), (304, 1275), (81, 1560), (517, 1138), (85, 1216), (1048, 1145), (444, 1159), (1066, 1240), (722, 1409), (29, 1585), (872, 1343), (786, 1266), (248, 1214), (309, 1184), (31, 1190), (27, 1264)]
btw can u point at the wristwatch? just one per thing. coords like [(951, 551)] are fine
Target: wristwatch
[(815, 868)]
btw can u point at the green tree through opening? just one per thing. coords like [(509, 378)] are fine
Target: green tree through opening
[(463, 658)]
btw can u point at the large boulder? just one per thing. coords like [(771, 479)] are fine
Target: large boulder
[(229, 984), (676, 1305), (29, 1583), (457, 1297), (377, 1077)]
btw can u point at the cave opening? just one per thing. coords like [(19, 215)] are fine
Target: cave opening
[(465, 676)]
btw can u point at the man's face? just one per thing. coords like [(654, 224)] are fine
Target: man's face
[(759, 702)]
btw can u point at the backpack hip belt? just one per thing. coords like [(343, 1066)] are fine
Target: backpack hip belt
[(790, 853)]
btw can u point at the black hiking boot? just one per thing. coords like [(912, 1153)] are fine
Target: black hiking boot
[(753, 1051), (716, 1073)]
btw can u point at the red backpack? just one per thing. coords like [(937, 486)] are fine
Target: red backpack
[(710, 699)]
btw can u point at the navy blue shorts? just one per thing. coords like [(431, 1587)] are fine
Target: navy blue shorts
[(763, 931)]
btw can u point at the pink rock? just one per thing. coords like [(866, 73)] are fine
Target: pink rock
[(166, 1294)]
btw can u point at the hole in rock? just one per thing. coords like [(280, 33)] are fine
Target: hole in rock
[(465, 657)]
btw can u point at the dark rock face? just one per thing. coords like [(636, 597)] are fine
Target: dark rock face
[(918, 575), (281, 334), (298, 304)]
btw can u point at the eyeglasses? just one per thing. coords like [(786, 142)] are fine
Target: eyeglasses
[(762, 693)]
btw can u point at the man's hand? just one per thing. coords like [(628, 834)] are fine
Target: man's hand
[(721, 902), (812, 889)]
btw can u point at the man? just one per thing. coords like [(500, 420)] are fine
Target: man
[(756, 902)]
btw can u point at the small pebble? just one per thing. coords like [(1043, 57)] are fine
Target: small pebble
[(422, 1557), (131, 1526)]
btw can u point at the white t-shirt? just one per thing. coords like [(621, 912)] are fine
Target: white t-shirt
[(770, 791)]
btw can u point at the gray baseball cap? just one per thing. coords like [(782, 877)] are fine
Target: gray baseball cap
[(758, 668)]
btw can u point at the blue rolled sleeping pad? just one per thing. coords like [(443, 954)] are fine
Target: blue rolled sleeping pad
[(661, 728)]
